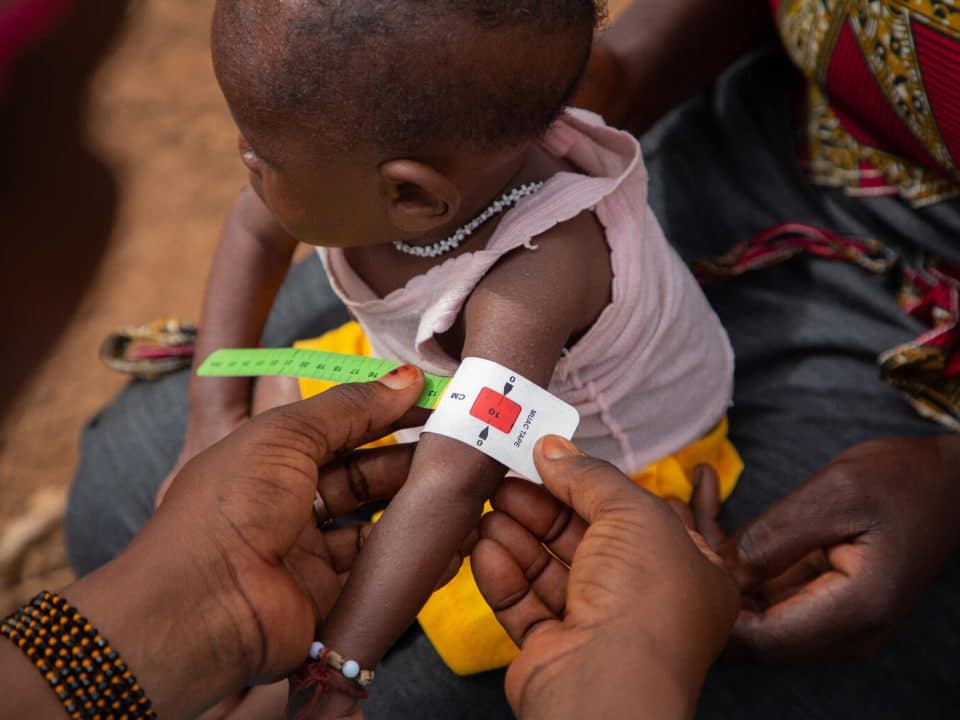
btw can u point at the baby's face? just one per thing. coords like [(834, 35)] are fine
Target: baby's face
[(320, 200), (320, 196)]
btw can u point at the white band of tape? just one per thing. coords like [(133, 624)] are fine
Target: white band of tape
[(501, 414)]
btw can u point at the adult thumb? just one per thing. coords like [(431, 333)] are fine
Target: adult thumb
[(592, 487), (809, 518)]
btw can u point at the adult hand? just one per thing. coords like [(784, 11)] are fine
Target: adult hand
[(626, 610), (203, 430), (834, 568), (225, 585)]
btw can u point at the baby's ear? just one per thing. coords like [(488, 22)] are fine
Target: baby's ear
[(419, 198)]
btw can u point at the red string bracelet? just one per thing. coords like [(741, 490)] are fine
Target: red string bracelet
[(325, 675)]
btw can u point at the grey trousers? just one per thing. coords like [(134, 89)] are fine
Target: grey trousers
[(806, 336)]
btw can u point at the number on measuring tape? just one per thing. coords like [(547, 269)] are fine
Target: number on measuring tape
[(312, 364)]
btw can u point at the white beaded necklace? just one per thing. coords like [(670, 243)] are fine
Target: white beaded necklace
[(442, 247)]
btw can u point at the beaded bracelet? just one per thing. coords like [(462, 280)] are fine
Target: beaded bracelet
[(84, 671), (349, 668), (327, 671)]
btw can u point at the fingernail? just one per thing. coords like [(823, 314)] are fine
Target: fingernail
[(555, 447), (698, 473), (400, 378)]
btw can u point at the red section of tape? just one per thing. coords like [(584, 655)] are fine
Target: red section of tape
[(496, 410)]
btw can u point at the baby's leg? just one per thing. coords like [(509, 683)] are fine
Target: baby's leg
[(272, 391)]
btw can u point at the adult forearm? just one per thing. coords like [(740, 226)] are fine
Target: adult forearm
[(619, 687), (23, 691), (184, 649), (657, 54), (187, 649)]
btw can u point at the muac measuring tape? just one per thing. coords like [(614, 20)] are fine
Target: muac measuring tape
[(485, 405)]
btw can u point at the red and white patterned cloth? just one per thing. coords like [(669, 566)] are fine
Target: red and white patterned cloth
[(926, 370), (882, 110)]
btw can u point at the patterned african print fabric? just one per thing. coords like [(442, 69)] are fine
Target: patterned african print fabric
[(882, 107), (925, 370)]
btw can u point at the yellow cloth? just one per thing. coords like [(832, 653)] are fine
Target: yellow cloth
[(456, 618), (349, 339), (673, 475)]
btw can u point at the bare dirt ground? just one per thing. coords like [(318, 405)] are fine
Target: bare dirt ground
[(162, 126), (159, 120)]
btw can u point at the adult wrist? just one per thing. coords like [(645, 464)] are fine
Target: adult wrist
[(177, 626), (667, 672), (23, 690), (619, 694), (625, 675)]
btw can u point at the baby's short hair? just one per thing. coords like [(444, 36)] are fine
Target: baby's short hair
[(400, 75)]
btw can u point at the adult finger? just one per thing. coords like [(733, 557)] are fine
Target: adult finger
[(544, 573), (591, 487), (682, 511), (273, 462), (504, 585), (360, 477), (554, 523), (820, 513), (686, 515), (466, 545), (819, 619), (344, 544), (705, 505), (797, 576), (339, 419)]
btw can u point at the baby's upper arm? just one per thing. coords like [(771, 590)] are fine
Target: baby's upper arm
[(532, 302)]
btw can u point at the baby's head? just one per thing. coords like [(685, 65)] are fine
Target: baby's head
[(368, 120)]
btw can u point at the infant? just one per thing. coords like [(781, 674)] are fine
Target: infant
[(380, 132)]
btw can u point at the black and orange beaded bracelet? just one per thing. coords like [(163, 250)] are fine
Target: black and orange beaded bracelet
[(86, 673)]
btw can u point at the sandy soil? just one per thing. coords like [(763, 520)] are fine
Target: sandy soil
[(165, 132), (161, 124)]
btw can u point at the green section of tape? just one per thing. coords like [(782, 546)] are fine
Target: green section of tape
[(313, 364)]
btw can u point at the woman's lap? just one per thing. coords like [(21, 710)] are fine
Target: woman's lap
[(806, 335)]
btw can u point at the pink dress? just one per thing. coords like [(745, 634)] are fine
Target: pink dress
[(653, 374)]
